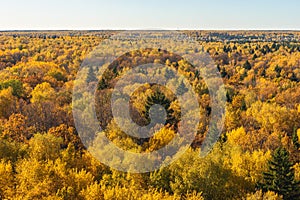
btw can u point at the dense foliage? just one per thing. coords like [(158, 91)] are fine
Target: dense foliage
[(280, 176), (42, 157)]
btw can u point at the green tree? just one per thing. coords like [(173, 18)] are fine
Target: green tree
[(280, 177), (16, 85), (159, 98), (247, 65), (295, 140), (181, 89), (91, 76)]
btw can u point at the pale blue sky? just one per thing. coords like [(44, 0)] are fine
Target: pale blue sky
[(150, 14)]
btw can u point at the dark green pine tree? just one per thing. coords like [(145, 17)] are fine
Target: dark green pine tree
[(91, 77), (159, 98), (280, 177), (254, 57), (181, 89), (247, 65), (295, 140)]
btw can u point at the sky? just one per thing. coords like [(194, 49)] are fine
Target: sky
[(150, 14)]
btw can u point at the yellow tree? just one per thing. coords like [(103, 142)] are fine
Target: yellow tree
[(7, 102), (7, 181), (43, 92)]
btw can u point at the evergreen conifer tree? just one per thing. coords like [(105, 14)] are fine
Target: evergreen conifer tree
[(280, 177)]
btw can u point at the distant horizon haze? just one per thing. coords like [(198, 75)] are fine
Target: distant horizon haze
[(155, 14)]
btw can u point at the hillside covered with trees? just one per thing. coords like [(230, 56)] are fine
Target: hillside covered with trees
[(256, 157)]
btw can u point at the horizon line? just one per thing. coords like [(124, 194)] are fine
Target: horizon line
[(146, 29)]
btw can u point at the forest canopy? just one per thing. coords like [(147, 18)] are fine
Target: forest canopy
[(43, 157)]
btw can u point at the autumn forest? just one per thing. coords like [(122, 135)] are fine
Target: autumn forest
[(257, 155)]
